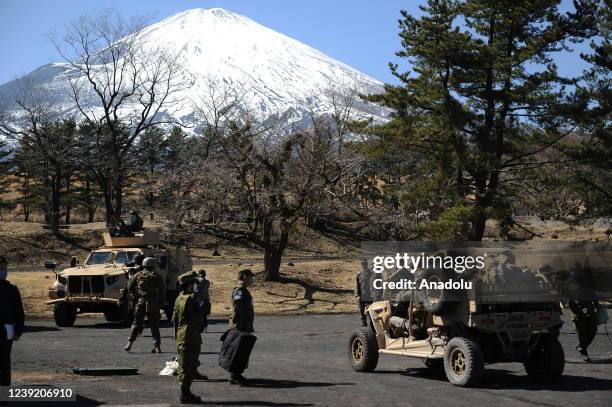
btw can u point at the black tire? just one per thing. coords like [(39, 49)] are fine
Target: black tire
[(363, 350), (546, 360), (113, 315), (463, 362), (121, 315), (437, 302), (64, 314)]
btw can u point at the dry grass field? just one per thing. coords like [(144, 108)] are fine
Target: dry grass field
[(319, 279), (307, 287)]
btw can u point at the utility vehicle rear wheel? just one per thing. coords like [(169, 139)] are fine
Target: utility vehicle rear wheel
[(463, 362), (363, 350)]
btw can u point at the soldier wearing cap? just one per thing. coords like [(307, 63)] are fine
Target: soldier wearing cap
[(242, 312), (148, 287), (187, 319)]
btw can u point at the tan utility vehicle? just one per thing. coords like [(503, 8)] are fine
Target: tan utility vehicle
[(98, 284), (455, 331)]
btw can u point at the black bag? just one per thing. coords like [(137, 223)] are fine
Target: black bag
[(236, 350)]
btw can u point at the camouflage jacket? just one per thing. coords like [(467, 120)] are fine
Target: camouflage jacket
[(187, 319), (242, 312), (148, 285)]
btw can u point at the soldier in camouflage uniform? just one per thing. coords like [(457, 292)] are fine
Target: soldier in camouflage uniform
[(149, 289), (187, 320), (242, 313), (127, 298)]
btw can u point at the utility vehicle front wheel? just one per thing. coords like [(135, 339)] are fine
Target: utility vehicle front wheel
[(463, 362), (363, 350)]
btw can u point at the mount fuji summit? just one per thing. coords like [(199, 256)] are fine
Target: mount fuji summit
[(278, 75)]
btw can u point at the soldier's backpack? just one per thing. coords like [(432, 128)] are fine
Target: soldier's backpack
[(236, 350), (147, 284)]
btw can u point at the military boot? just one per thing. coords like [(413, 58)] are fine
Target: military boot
[(156, 349), (239, 379), (187, 397), (128, 346)]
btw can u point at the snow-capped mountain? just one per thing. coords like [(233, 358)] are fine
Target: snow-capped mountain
[(277, 75)]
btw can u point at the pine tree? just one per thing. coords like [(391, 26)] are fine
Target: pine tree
[(150, 156), (482, 80), (591, 177)]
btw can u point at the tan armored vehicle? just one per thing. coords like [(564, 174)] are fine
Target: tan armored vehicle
[(460, 333), (97, 285)]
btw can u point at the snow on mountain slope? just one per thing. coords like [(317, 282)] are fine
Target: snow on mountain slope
[(277, 74)]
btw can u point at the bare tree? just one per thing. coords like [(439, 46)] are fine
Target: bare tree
[(251, 180), (119, 83)]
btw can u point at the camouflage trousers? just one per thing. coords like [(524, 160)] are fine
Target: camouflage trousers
[(141, 311), (188, 361)]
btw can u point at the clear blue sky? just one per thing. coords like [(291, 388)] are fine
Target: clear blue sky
[(361, 33)]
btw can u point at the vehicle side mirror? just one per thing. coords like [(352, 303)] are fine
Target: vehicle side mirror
[(50, 265), (129, 264)]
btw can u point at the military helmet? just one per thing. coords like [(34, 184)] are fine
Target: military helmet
[(187, 278), (138, 259), (149, 262)]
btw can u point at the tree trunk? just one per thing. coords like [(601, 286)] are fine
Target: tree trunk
[(118, 195), (68, 206), (273, 255), (272, 261), (108, 207), (55, 204), (478, 226), (91, 210)]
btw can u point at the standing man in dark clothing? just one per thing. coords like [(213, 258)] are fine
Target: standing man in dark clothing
[(203, 296), (242, 313), (362, 290), (12, 319), (584, 316)]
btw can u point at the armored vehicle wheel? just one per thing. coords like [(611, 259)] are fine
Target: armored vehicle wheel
[(64, 314), (437, 302), (463, 362), (113, 315), (120, 314), (363, 350), (547, 359)]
